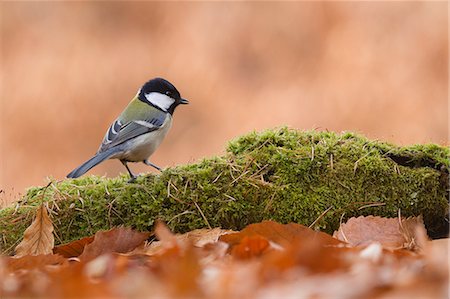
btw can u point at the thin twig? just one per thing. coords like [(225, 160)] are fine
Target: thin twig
[(372, 205), (215, 180), (177, 199), (320, 217), (341, 228), (203, 215), (230, 197), (179, 215), (269, 202), (355, 166)]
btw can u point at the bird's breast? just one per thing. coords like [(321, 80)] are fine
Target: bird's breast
[(143, 146)]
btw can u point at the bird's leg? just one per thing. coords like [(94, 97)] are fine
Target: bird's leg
[(132, 176), (146, 162)]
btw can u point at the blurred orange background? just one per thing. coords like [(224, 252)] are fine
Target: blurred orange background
[(69, 68)]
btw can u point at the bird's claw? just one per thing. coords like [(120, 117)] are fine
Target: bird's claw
[(132, 179)]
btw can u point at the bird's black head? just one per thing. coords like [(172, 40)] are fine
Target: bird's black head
[(161, 94)]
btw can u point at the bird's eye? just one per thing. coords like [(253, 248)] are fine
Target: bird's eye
[(168, 93)]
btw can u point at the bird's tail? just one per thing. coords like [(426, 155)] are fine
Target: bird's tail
[(83, 168)]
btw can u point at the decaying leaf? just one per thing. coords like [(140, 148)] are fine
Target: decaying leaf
[(73, 249), (176, 262), (391, 233), (198, 237), (120, 240), (38, 237), (266, 260), (281, 234), (437, 255), (315, 256), (249, 247), (73, 282), (163, 233), (30, 262), (180, 269), (414, 232)]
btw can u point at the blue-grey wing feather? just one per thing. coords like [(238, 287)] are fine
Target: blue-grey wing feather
[(119, 133), (113, 131)]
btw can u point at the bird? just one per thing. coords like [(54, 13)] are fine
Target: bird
[(139, 129)]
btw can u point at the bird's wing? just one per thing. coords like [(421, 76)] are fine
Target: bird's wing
[(119, 132)]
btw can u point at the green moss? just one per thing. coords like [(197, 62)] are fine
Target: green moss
[(283, 174)]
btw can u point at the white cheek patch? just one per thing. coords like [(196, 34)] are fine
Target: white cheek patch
[(161, 100)]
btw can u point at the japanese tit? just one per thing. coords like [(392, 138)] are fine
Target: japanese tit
[(139, 130)]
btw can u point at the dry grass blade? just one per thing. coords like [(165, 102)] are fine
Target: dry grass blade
[(38, 237)]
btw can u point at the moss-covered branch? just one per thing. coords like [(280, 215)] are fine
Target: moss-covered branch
[(283, 175)]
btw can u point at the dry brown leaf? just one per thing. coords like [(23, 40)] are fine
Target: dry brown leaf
[(282, 234), (72, 282), (73, 249), (250, 247), (163, 233), (415, 233), (391, 233), (198, 237), (436, 253), (179, 268), (255, 267), (316, 255), (120, 240), (38, 237), (213, 252), (31, 262)]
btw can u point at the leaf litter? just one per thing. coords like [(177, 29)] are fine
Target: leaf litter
[(38, 237), (367, 257)]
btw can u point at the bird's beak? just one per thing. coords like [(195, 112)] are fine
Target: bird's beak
[(184, 101)]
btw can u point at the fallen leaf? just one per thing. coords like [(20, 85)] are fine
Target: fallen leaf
[(249, 247), (179, 268), (282, 234), (391, 233), (436, 253), (120, 240), (99, 266), (30, 262), (314, 255), (176, 263), (414, 232), (163, 233), (212, 252), (198, 237), (267, 260), (73, 249), (38, 237), (73, 282)]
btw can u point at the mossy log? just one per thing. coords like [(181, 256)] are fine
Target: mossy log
[(319, 178)]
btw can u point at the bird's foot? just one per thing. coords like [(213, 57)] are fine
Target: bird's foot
[(132, 180), (146, 162)]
